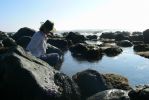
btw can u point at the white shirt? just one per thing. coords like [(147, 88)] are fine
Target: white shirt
[(37, 46)]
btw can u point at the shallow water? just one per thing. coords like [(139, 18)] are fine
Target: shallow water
[(128, 64)]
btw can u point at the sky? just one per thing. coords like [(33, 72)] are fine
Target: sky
[(75, 14)]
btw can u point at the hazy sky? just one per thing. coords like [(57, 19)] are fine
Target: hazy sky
[(75, 14)]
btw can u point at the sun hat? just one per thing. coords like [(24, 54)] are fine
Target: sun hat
[(49, 25)]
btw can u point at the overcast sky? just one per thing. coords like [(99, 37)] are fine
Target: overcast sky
[(75, 14)]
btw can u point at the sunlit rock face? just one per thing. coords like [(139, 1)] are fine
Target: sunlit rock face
[(25, 77)]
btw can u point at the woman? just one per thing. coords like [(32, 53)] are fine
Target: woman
[(38, 44)]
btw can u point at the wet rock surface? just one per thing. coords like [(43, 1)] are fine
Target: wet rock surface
[(111, 50), (86, 51)]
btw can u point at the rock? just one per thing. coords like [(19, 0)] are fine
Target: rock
[(107, 40), (117, 81), (8, 42), (25, 77), (90, 82), (3, 35), (112, 50), (124, 33), (23, 32), (146, 36), (23, 41), (70, 89), (75, 37), (136, 38), (137, 42), (141, 93), (137, 33), (120, 37), (86, 51), (124, 43), (141, 47), (59, 43), (112, 94), (144, 54), (107, 35), (92, 37)]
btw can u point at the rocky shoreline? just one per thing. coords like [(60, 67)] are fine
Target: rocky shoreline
[(25, 77)]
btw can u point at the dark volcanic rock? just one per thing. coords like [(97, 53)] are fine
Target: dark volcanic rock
[(8, 42), (136, 38), (92, 37), (3, 35), (23, 32), (146, 36), (112, 51), (75, 37), (120, 37), (86, 51), (137, 33), (113, 94), (141, 47), (59, 43), (140, 93), (124, 43), (90, 82), (25, 77), (108, 35), (23, 41)]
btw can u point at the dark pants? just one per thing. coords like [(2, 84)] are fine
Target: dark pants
[(53, 59)]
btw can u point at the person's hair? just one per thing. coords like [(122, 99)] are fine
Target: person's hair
[(48, 25)]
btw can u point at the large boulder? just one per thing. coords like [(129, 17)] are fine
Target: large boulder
[(141, 47), (124, 43), (59, 43), (25, 77), (86, 51), (23, 32), (90, 82), (75, 37), (112, 94), (146, 36), (24, 41), (111, 50), (108, 35)]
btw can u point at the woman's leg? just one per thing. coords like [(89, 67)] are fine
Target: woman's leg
[(52, 59)]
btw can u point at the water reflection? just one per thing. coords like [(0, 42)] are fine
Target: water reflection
[(128, 64)]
